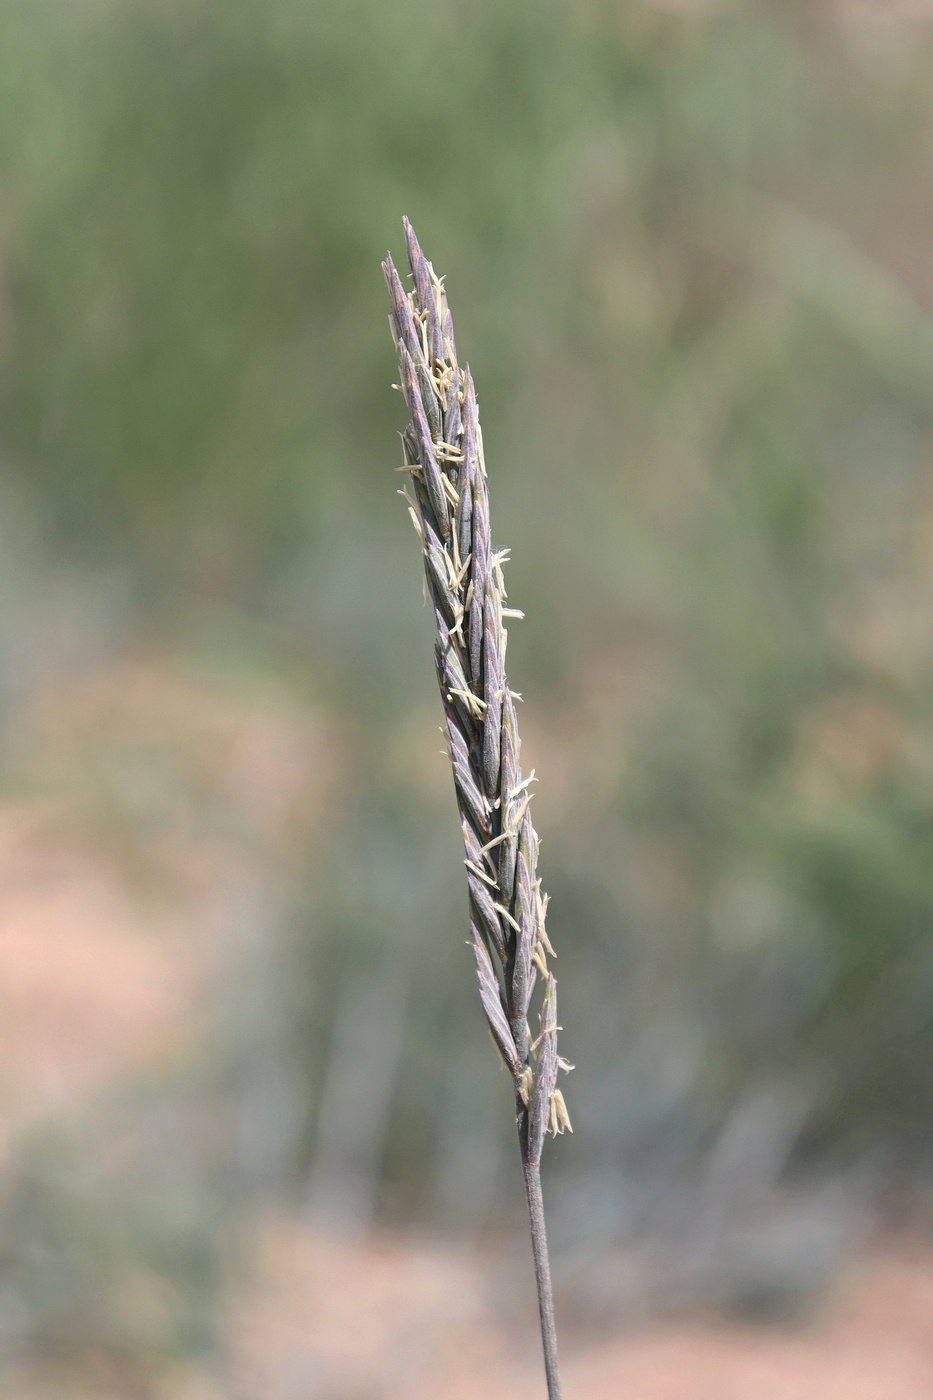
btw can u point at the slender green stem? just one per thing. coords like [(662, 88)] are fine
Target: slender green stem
[(532, 1175)]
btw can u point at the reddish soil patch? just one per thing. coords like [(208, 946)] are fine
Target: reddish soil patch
[(396, 1319), (92, 987)]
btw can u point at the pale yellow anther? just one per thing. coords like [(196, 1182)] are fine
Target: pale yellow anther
[(481, 873), (506, 915), (474, 703), (515, 818), (451, 571), (463, 570), (559, 1117), (520, 787)]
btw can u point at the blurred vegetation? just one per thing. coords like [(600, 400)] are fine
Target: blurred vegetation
[(687, 256)]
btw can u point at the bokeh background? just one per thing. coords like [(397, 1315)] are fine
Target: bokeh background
[(255, 1144)]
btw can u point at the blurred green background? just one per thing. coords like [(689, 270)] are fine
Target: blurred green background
[(687, 252)]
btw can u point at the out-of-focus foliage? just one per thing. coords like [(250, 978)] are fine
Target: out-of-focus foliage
[(687, 258)]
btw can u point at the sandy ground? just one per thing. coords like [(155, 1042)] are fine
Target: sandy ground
[(396, 1319)]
